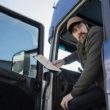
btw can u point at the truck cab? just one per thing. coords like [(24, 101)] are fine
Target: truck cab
[(95, 13), (25, 83)]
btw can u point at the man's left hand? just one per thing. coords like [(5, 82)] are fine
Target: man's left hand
[(65, 100)]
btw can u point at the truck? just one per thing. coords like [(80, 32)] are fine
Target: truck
[(25, 83)]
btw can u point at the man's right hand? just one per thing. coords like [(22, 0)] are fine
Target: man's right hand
[(58, 63)]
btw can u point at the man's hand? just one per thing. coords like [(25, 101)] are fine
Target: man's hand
[(65, 100), (58, 63)]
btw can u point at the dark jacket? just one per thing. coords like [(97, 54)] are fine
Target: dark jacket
[(89, 54)]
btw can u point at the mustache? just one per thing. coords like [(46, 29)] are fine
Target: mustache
[(82, 34)]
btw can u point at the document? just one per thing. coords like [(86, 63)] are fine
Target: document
[(46, 63)]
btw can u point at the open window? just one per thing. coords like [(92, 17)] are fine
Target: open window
[(67, 45), (91, 11)]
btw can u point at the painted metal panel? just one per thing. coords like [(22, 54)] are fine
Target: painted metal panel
[(106, 56), (60, 11), (107, 64)]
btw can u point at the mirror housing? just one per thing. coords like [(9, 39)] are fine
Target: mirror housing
[(21, 63)]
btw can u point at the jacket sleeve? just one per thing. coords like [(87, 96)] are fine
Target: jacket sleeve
[(92, 65), (72, 57)]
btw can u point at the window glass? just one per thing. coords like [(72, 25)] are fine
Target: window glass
[(72, 66), (17, 36)]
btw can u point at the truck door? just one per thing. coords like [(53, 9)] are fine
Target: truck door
[(20, 74)]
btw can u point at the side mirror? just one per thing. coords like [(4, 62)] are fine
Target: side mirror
[(21, 63)]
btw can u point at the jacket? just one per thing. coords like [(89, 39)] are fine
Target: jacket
[(89, 54)]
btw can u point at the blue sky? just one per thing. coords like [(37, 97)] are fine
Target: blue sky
[(39, 10)]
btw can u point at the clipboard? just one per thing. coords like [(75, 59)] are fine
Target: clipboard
[(46, 63)]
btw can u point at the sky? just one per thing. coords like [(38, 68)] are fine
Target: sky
[(39, 10)]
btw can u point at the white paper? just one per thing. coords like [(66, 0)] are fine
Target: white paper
[(46, 63)]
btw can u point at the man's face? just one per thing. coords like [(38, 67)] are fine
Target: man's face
[(80, 31)]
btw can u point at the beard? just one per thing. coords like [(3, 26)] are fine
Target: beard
[(82, 37)]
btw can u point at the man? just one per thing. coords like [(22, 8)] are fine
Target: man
[(88, 91)]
